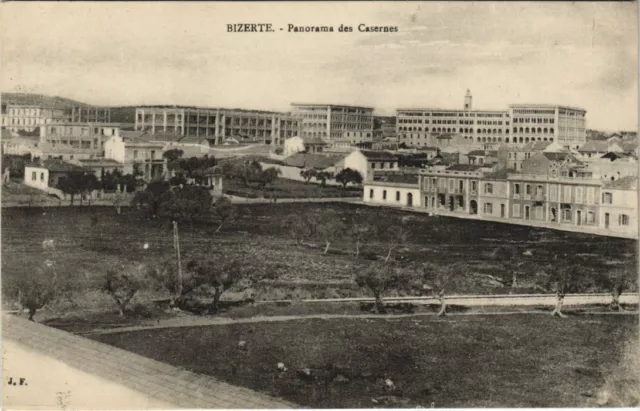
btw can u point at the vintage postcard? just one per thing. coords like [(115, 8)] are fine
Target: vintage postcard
[(257, 205)]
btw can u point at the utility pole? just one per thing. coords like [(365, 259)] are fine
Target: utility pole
[(176, 246)]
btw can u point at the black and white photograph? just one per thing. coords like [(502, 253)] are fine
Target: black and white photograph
[(319, 205)]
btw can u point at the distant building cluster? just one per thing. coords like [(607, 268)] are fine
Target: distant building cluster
[(529, 163)]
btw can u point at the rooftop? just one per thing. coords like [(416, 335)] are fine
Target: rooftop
[(161, 384), (594, 146), (554, 106), (396, 178), (624, 183), (476, 153), (328, 105), (314, 141), (58, 166), (99, 161), (451, 110), (500, 174), (379, 155), (315, 161), (464, 167), (238, 110)]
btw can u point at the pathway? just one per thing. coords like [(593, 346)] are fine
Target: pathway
[(188, 320)]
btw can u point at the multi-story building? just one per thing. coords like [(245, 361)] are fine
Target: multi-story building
[(218, 124), (329, 121), (419, 127), (141, 155), (452, 189), (545, 122), (493, 195), (27, 118), (554, 190), (356, 137), (85, 136), (520, 124), (89, 114), (619, 207)]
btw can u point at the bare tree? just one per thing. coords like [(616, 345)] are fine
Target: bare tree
[(359, 230), (330, 231), (396, 236)]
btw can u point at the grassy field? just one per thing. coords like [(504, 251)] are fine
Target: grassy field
[(284, 188), (466, 361), (85, 251)]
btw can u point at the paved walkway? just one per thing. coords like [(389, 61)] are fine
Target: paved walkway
[(62, 370)]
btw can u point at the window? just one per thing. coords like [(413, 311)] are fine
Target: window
[(135, 153), (591, 217), (566, 214), (538, 213), (527, 189), (382, 166), (488, 188), (42, 177), (516, 210), (370, 193), (623, 219), (373, 166), (473, 186), (33, 176), (516, 189), (607, 198), (579, 195), (397, 195), (384, 194), (590, 195), (553, 189), (488, 208), (566, 194), (452, 184)]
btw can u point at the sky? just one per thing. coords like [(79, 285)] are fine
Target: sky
[(578, 54)]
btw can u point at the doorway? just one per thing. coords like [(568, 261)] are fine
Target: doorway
[(409, 200), (579, 217), (474, 206), (501, 210), (527, 212), (606, 220)]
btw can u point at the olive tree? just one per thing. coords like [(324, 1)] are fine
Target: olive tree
[(378, 278)]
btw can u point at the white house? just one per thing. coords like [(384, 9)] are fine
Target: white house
[(396, 191), (367, 161), (144, 155), (45, 174)]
